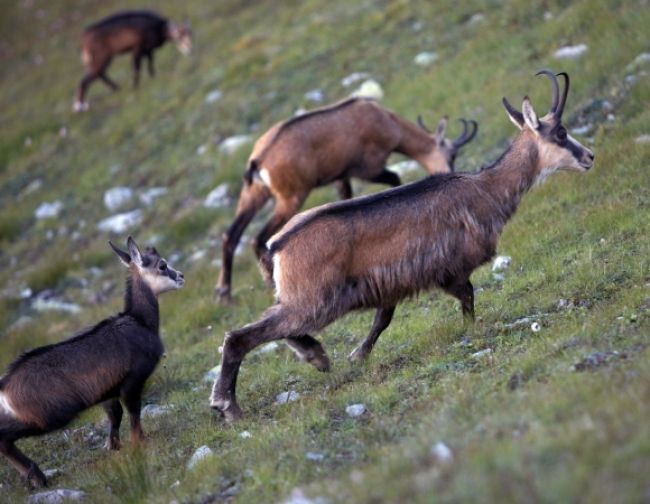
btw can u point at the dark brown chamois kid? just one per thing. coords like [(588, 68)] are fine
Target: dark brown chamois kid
[(136, 32), (45, 388), (374, 251), (352, 138)]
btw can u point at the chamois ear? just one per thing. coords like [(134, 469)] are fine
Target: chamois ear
[(136, 257), (513, 114), (125, 258), (440, 129), (529, 115)]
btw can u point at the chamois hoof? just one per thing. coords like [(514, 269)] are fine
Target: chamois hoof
[(223, 295), (112, 444), (320, 362), (359, 354), (230, 410), (36, 478), (79, 106)]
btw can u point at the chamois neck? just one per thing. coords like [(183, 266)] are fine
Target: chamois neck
[(513, 174), (141, 303), (414, 141)]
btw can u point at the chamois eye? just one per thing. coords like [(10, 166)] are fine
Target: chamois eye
[(162, 267)]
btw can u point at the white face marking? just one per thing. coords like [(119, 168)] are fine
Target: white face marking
[(277, 275), (159, 283), (266, 178), (5, 407)]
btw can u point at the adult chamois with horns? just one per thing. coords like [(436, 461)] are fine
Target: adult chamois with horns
[(374, 251), (46, 388), (352, 138), (136, 32)]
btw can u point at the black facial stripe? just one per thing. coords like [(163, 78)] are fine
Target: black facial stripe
[(575, 149), (171, 273)]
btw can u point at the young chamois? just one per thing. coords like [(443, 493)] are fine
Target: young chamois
[(45, 388), (374, 251), (352, 138), (137, 32)]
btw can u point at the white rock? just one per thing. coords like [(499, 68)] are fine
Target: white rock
[(355, 410), (269, 347), (213, 374), (33, 186), (353, 78), (218, 197), (200, 454), (548, 15), (403, 167), (481, 353), (499, 277), (48, 210), (52, 304), (201, 149), (213, 96), (56, 496), (639, 61), (154, 410), (475, 19), (51, 473), (314, 456), (535, 327), (245, 434), (369, 89), (198, 255), (299, 111), (570, 52), (298, 497), (642, 139), (117, 197), (234, 143), (119, 223), (442, 453), (582, 130), (425, 58), (287, 397), (501, 263), (148, 196), (315, 95)]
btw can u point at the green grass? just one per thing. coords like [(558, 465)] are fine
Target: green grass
[(522, 423)]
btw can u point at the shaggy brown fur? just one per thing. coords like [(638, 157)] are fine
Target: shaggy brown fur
[(352, 138), (374, 251)]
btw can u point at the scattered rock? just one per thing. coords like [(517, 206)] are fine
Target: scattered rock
[(642, 139), (354, 78), (475, 19), (369, 89), (481, 353), (120, 223), (198, 255), (32, 187), (28, 142), (298, 497), (355, 410), (56, 496), (117, 197), (571, 52), (269, 347), (213, 374), (501, 263), (218, 197), (315, 95), (201, 149), (548, 15), (41, 304), (597, 359), (63, 132), (48, 210), (245, 434), (154, 410), (582, 130), (22, 322), (315, 456), (213, 96), (564, 304), (403, 167), (535, 327), (499, 277), (287, 397), (442, 453), (231, 144), (425, 59), (148, 196), (638, 62), (200, 454)]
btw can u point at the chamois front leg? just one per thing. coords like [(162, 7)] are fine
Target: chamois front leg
[(344, 188), (310, 350), (383, 316), (149, 57), (284, 210), (137, 60), (132, 397), (25, 466), (114, 412)]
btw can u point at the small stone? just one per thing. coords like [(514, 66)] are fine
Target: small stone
[(298, 497), (548, 15), (582, 130), (571, 52), (425, 59), (198, 255), (499, 277), (213, 96), (154, 410), (315, 95), (475, 19), (212, 375), (63, 132), (287, 397), (535, 327), (48, 210), (218, 197), (52, 473), (200, 454), (148, 196), (353, 78), (481, 353), (501, 263), (564, 304), (269, 347), (442, 453), (642, 139), (299, 111), (120, 223), (369, 89), (245, 434), (201, 149), (57, 496), (117, 197), (32, 187), (403, 167), (314, 456), (52, 304), (638, 62), (355, 410), (232, 144)]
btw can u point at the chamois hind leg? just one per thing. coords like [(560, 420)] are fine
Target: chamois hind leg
[(25, 466), (114, 411), (108, 81), (310, 350), (383, 316), (236, 345), (344, 188), (149, 57), (464, 292), (283, 211), (251, 200)]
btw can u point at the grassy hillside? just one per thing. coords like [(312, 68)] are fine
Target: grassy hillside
[(553, 416)]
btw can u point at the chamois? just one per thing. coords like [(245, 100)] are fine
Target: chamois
[(138, 32), (45, 388), (374, 251), (352, 138)]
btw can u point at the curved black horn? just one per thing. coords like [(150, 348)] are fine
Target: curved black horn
[(422, 125), (565, 93), (514, 113), (464, 137), (460, 140), (555, 88)]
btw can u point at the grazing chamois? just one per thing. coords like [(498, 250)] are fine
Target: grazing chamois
[(352, 138), (45, 388), (374, 251), (137, 32)]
